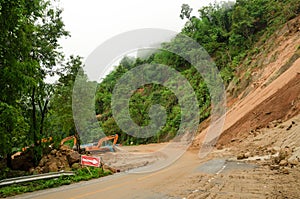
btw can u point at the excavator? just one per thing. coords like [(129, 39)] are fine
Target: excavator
[(98, 147), (105, 147)]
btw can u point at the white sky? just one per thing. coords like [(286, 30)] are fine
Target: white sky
[(91, 22)]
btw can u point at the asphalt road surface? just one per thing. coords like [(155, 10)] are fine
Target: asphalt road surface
[(124, 185), (138, 186)]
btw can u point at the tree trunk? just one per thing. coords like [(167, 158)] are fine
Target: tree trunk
[(34, 129), (44, 112)]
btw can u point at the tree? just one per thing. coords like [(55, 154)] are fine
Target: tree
[(12, 121), (28, 52), (186, 11), (62, 122)]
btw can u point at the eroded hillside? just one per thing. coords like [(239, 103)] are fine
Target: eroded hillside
[(266, 87)]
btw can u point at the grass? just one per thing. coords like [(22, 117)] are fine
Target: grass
[(83, 174)]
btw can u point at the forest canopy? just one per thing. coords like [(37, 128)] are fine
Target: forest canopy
[(228, 31)]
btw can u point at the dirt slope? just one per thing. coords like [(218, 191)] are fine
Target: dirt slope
[(271, 92)]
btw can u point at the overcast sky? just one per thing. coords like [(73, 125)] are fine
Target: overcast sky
[(91, 22)]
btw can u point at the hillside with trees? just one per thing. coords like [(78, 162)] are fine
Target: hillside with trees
[(228, 31), (32, 110)]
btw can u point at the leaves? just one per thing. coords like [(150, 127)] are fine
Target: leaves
[(29, 50)]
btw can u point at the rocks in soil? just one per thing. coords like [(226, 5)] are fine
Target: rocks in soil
[(241, 156), (285, 170), (73, 157), (63, 159), (283, 163), (274, 167), (53, 163), (294, 162), (274, 123), (244, 155), (272, 150), (291, 126), (284, 154), (113, 170), (247, 155), (57, 160), (52, 167), (53, 152), (285, 160), (65, 148)]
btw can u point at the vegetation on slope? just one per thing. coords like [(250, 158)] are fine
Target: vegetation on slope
[(228, 31)]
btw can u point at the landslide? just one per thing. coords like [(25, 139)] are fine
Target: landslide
[(266, 87)]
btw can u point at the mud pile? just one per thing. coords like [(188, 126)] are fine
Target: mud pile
[(63, 159)]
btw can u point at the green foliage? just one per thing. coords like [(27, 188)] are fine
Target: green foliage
[(28, 52), (80, 175), (148, 95), (13, 128), (227, 31), (61, 120), (9, 173)]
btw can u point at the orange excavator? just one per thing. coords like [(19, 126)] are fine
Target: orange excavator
[(100, 146)]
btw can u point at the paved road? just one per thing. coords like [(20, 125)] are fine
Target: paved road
[(136, 186), (123, 185)]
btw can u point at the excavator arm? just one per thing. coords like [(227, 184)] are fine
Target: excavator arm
[(111, 137), (100, 142), (67, 139)]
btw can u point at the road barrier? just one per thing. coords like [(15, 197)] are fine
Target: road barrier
[(30, 178)]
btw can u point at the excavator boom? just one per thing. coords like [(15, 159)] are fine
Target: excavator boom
[(67, 139)]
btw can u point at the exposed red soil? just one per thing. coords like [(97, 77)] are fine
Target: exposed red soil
[(273, 92), (283, 104)]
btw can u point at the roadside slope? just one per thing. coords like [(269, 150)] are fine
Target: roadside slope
[(268, 87)]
